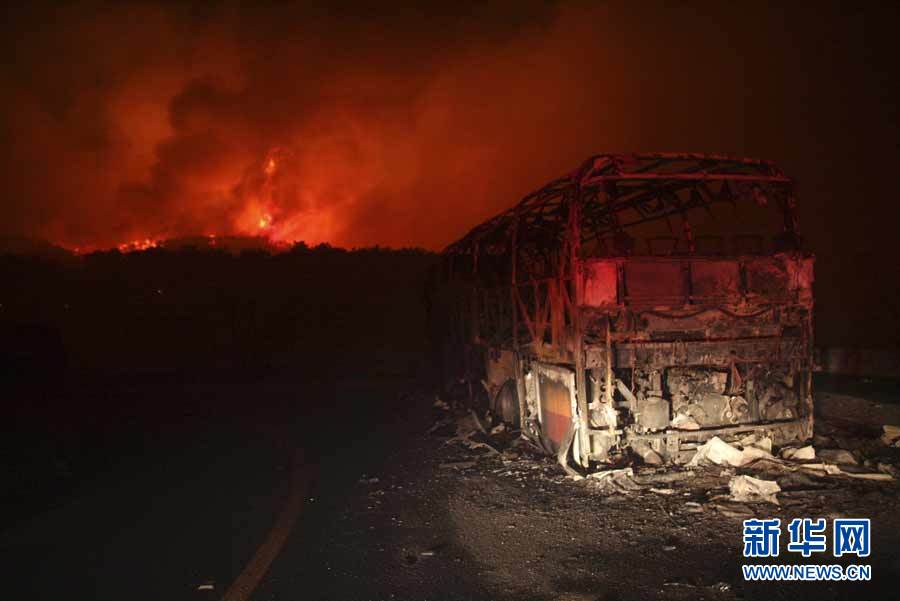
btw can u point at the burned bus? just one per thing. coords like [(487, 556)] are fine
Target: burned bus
[(645, 301)]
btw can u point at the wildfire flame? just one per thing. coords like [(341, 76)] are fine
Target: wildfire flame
[(137, 245), (262, 212)]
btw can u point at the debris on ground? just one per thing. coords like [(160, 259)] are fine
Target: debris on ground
[(457, 465), (876, 476), (614, 481), (891, 436), (445, 426), (626, 472), (472, 445), (754, 453), (830, 469), (468, 424), (692, 507), (664, 476), (643, 449), (721, 587), (887, 468), (756, 441), (750, 469), (471, 431), (807, 453), (832, 462), (837, 456), (747, 489), (717, 451), (740, 511), (496, 503)]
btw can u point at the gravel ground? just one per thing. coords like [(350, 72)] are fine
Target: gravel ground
[(431, 519)]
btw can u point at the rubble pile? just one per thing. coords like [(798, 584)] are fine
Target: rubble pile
[(728, 477)]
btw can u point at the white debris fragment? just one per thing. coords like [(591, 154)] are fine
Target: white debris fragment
[(755, 440), (833, 470), (806, 453), (663, 491), (747, 489), (615, 481), (719, 452), (603, 475), (501, 427), (754, 453), (827, 468), (684, 422), (877, 476), (441, 404), (891, 436)]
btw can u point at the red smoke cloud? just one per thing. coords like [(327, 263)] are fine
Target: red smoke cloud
[(362, 125), (144, 121)]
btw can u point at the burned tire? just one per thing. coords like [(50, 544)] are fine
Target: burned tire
[(506, 403)]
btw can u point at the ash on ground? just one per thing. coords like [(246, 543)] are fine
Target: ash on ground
[(469, 510)]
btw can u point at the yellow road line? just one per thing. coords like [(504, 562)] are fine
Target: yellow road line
[(256, 568)]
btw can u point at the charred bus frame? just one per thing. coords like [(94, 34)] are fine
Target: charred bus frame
[(587, 343)]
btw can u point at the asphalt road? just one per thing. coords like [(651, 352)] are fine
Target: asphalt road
[(194, 504), (380, 517)]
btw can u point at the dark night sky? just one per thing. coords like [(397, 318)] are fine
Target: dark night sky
[(394, 126)]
